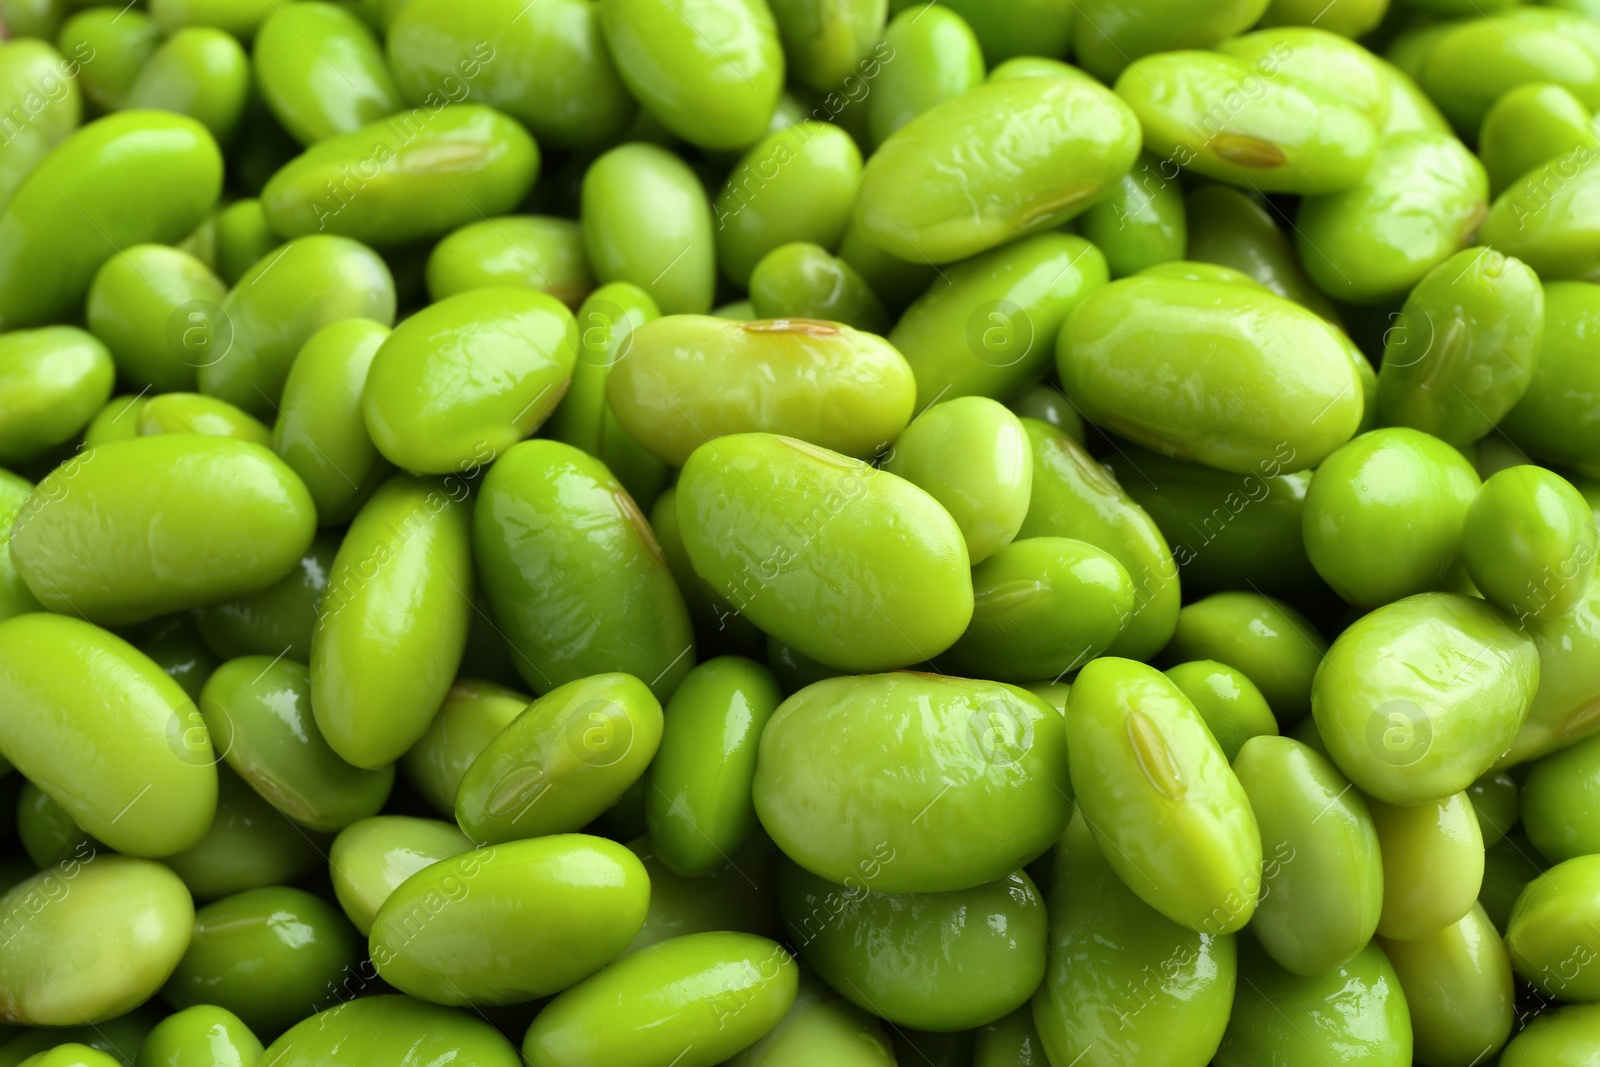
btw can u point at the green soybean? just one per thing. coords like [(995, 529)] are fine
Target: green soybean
[(846, 785), (1005, 160), (251, 522), (200, 72), (700, 998), (1432, 865), (280, 618), (1229, 228), (250, 845), (1123, 982), (267, 955), (802, 281), (393, 621), (1458, 989), (810, 531), (1233, 708), (1529, 542), (321, 72), (1299, 370), (411, 176), (985, 326), (127, 179), (531, 251), (95, 938), (53, 381), (1382, 482), (548, 67), (511, 922), (699, 808), (1075, 497), (827, 384), (1141, 223), (1463, 351), (1419, 203), (201, 1036), (1551, 931), (473, 714), (258, 712), (43, 84), (824, 41), (1417, 699), (1530, 125), (371, 858), (797, 184), (573, 574), (1273, 645), (1558, 417), (710, 70), (937, 58), (400, 1030), (646, 220)]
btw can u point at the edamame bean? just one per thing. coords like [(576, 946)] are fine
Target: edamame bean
[(242, 238), (1543, 218), (473, 714), (1075, 497), (737, 895), (824, 41), (699, 808), (201, 1036), (277, 620), (646, 220), (1417, 699), (939, 961), (1432, 865), (1110, 34), (1558, 417), (133, 303), (267, 955), (1322, 885), (1295, 366), (1230, 229), (532, 251), (1125, 984), (798, 184), (701, 998), (100, 536), (126, 179), (1247, 123), (1002, 161), (245, 351), (973, 456), (52, 381), (1496, 803), (320, 431), (239, 17), (463, 380), (1233, 708), (1418, 204), (1227, 530), (1463, 350), (1551, 934), (1530, 125), (1384, 513), (418, 174), (710, 70), (1558, 802), (94, 938), (250, 845), (258, 712), (1042, 607), (372, 858), (114, 46), (1529, 542), (1278, 1017), (1472, 63), (511, 922), (44, 84), (194, 413), (814, 534), (1142, 222), (1458, 990), (15, 599), (1273, 645), (717, 625), (566, 759), (199, 72), (547, 67), (1156, 790), (321, 72), (936, 58), (1564, 707), (393, 621), (573, 574), (802, 281), (399, 1030), (846, 785), (984, 327), (834, 1030), (827, 384)]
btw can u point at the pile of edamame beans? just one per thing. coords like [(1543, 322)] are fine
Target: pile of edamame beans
[(799, 533)]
